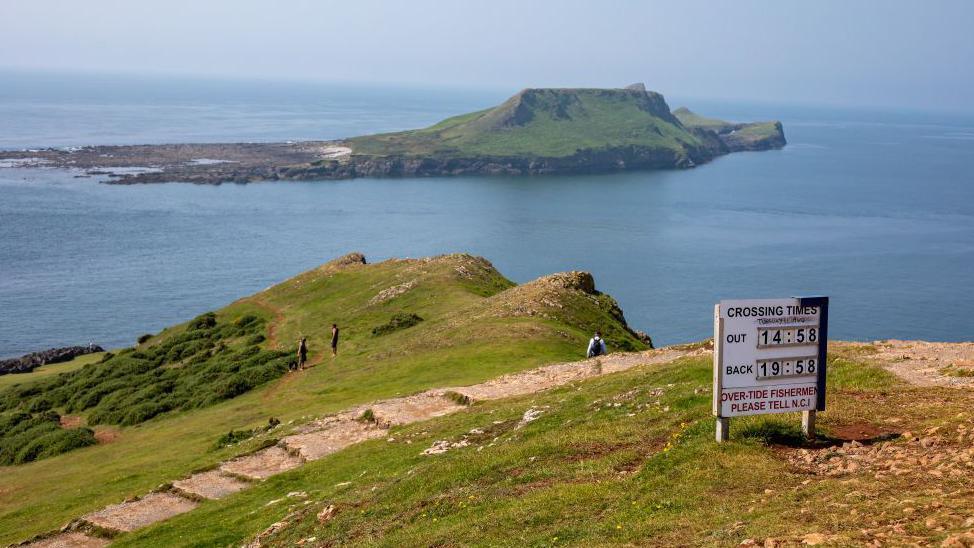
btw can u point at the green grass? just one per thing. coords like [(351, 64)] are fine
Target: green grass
[(624, 459), (545, 123), (476, 327), (739, 133), (49, 370), (692, 119), (759, 130)]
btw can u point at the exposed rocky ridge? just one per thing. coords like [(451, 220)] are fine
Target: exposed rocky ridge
[(29, 362)]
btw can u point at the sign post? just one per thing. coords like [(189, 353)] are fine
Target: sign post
[(770, 357)]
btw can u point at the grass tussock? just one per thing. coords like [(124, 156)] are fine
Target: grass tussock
[(368, 416), (458, 398), (957, 371)]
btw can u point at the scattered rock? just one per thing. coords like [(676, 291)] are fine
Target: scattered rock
[(529, 416), (442, 446), (392, 292), (327, 514)]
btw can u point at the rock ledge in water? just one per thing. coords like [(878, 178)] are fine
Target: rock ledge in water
[(29, 362)]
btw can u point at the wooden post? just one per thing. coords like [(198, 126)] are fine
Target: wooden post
[(808, 424), (723, 429)]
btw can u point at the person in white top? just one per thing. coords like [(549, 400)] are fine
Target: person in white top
[(596, 345)]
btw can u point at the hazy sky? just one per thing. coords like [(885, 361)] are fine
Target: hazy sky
[(886, 53)]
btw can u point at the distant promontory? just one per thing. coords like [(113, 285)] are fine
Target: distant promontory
[(537, 131)]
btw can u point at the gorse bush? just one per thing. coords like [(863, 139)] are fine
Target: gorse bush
[(25, 437), (207, 363)]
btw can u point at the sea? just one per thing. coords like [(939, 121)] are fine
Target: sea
[(873, 208)]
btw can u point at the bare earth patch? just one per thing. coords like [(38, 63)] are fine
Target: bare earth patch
[(106, 434), (918, 362), (935, 453), (72, 421), (129, 516)]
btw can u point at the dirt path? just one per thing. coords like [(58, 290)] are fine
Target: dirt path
[(278, 317), (273, 342), (918, 362), (333, 433)]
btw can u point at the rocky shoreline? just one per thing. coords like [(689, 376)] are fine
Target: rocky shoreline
[(29, 362)]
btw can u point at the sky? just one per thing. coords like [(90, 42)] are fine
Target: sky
[(874, 53)]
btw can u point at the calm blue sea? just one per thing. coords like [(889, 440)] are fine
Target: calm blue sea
[(875, 209)]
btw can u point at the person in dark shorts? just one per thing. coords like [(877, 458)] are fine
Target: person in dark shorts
[(302, 352), (334, 339)]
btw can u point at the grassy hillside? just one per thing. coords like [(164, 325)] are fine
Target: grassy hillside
[(545, 123), (475, 325), (627, 459), (736, 136)]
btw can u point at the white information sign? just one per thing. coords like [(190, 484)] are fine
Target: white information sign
[(768, 356)]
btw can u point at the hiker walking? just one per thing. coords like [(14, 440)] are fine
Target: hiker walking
[(302, 352), (596, 345), (334, 339)]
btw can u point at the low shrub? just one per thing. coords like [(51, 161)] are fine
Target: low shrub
[(368, 416), (25, 437), (234, 437), (458, 398), (209, 362), (143, 338), (203, 321), (400, 320)]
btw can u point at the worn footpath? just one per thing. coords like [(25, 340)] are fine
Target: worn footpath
[(327, 435)]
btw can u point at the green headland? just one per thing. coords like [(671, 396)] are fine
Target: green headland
[(536, 131), (471, 443)]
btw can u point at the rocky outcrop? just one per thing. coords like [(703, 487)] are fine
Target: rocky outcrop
[(29, 362), (756, 136), (726, 137), (583, 161)]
